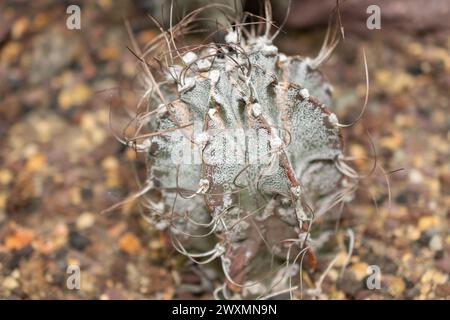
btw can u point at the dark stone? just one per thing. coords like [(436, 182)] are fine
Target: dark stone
[(86, 193), (414, 70), (78, 241), (18, 255), (406, 197)]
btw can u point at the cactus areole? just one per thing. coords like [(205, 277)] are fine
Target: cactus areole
[(243, 155)]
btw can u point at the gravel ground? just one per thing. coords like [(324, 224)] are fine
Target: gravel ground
[(60, 165)]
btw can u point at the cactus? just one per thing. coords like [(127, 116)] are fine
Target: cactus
[(243, 154)]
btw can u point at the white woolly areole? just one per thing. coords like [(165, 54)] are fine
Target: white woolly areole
[(202, 138), (333, 119), (211, 51), (147, 143), (330, 87), (144, 146), (256, 110), (189, 57), (203, 64), (173, 72), (229, 65), (296, 191), (275, 141), (301, 215), (204, 185), (305, 93), (161, 224), (189, 83), (269, 50), (227, 201), (282, 57), (231, 37), (158, 206), (214, 76), (161, 110), (219, 248), (211, 112)]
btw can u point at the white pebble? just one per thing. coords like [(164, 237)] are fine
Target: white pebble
[(436, 243)]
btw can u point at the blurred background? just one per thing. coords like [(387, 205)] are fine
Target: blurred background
[(60, 164)]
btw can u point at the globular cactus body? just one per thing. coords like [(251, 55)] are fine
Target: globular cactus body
[(243, 156)]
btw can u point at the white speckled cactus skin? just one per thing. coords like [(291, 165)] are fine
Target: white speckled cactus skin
[(250, 204)]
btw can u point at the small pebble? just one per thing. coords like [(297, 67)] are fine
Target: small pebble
[(436, 243), (129, 243), (78, 241), (10, 283), (415, 176), (85, 220)]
